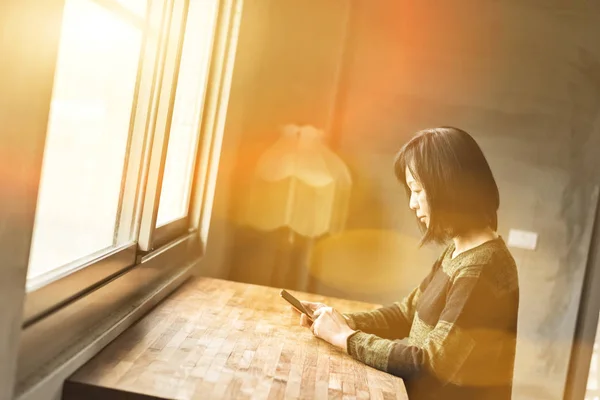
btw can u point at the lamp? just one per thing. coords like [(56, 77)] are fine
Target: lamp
[(299, 185)]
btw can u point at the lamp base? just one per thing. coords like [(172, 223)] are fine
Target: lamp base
[(291, 267), (277, 258)]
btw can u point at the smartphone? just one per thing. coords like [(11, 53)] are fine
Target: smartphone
[(295, 303)]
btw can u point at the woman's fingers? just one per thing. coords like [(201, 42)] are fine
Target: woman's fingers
[(321, 310), (305, 321), (307, 304), (312, 305), (315, 327)]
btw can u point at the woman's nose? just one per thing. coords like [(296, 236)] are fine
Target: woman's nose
[(413, 203)]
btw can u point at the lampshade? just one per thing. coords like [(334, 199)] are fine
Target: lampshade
[(301, 184)]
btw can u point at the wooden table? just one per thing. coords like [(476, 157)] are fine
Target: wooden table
[(215, 339)]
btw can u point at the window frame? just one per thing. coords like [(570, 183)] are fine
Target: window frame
[(153, 236), (56, 288), (152, 108), (159, 135), (81, 322)]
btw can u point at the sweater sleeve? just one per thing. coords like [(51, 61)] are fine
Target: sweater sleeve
[(393, 321), (440, 350)]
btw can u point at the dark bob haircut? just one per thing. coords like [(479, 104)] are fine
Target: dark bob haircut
[(461, 191)]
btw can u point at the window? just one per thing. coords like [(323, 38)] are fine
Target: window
[(79, 198), (136, 6), (88, 105), (123, 142), (185, 124)]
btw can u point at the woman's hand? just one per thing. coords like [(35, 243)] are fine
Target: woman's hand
[(310, 306), (328, 325)]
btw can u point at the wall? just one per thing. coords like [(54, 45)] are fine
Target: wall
[(28, 66), (524, 78), (250, 47), (290, 52)]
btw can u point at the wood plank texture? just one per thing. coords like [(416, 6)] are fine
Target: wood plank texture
[(216, 339)]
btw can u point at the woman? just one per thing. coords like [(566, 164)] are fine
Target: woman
[(461, 322)]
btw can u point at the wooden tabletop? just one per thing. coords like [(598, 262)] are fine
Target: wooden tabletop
[(215, 339)]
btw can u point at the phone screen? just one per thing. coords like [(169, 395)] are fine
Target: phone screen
[(295, 303)]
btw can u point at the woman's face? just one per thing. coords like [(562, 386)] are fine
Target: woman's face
[(418, 198)]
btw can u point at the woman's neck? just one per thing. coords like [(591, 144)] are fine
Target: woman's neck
[(472, 239)]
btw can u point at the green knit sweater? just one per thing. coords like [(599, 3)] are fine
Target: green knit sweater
[(461, 324)]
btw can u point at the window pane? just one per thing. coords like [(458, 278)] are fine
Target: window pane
[(86, 144), (189, 97), (136, 6)]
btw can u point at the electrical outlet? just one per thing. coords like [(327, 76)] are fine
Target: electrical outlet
[(522, 239)]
